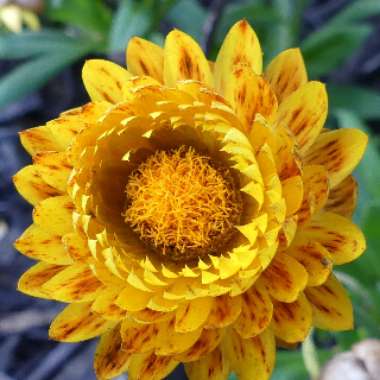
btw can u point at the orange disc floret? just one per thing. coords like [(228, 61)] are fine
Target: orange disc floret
[(181, 204)]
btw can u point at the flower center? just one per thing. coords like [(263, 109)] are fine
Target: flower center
[(182, 205)]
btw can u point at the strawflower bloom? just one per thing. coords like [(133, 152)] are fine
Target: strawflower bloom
[(193, 211)]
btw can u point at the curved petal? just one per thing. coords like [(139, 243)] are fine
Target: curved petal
[(292, 321), (76, 246), (55, 215), (29, 183), (332, 308), (293, 191), (38, 244), (249, 94), (256, 312), (170, 342), (184, 59), (38, 139), (138, 338), (213, 366), (104, 304), (225, 310), (32, 281), (339, 152), (75, 283), (252, 358), (207, 342), (304, 112), (188, 317), (54, 168), (150, 316), (110, 359), (343, 239), (132, 299), (149, 366), (285, 278), (68, 125), (286, 73), (145, 58), (315, 259), (104, 80), (342, 199), (76, 323), (316, 191), (240, 48)]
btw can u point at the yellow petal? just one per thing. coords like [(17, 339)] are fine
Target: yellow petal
[(206, 343), (110, 360), (292, 321), (76, 246), (132, 299), (104, 80), (292, 191), (31, 186), (342, 199), (289, 229), (54, 168), (285, 278), (339, 152), (304, 112), (150, 316), (55, 215), (188, 317), (145, 58), (133, 85), (77, 322), (315, 259), (224, 312), (39, 139), (184, 59), (213, 366), (332, 308), (68, 125), (249, 94), (76, 283), (38, 244), (343, 239), (316, 191), (32, 280), (149, 366), (170, 342), (286, 73), (138, 337), (256, 312), (104, 304), (252, 358), (240, 48)]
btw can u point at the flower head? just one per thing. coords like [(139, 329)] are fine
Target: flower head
[(193, 210)]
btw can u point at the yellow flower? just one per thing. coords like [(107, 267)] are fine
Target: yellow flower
[(193, 210)]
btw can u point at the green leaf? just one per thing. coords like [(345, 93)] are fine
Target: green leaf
[(290, 366), (89, 15), (30, 44), (131, 19), (360, 101), (30, 76), (188, 16), (357, 11), (328, 48)]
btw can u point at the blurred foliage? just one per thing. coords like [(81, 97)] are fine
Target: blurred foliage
[(74, 29)]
